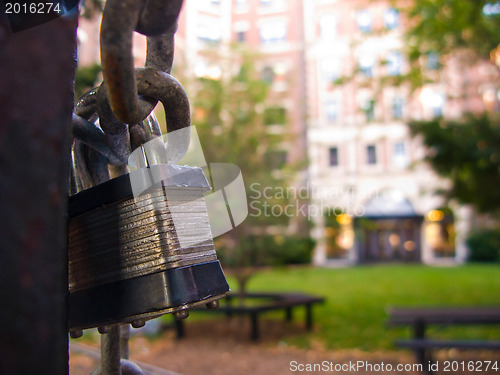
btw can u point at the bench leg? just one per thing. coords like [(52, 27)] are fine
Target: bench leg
[(423, 355), (309, 317), (179, 327), (288, 314), (254, 326)]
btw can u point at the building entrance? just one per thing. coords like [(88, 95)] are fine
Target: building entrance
[(389, 240), (390, 230)]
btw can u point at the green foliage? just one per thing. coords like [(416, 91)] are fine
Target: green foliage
[(86, 78), (467, 152), (225, 114), (330, 215), (274, 115), (268, 250), (484, 246), (293, 250), (444, 27), (232, 114)]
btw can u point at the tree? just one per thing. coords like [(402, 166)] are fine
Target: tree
[(441, 28), (465, 150), (468, 153), (233, 113), (86, 78)]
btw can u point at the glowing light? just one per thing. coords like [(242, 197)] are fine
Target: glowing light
[(435, 215), (394, 240), (344, 219), (410, 245), (346, 239)]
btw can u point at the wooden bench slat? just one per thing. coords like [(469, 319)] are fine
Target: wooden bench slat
[(275, 301), (447, 344), (444, 315)]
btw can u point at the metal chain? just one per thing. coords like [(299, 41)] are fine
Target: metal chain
[(118, 102), (122, 103)]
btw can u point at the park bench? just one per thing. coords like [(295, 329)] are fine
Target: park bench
[(263, 302), (420, 318)]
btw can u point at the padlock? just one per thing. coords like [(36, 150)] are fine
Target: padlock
[(140, 244), (126, 263)]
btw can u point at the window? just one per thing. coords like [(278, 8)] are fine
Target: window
[(437, 104), (397, 107), (433, 101), (432, 61), (332, 111), (391, 18), (209, 29), (273, 32), (368, 107), (267, 74), (399, 157), (437, 109), (241, 5), (371, 155), (330, 68), (328, 26), (240, 36), (394, 63), (272, 6), (333, 157), (364, 21), (366, 63)]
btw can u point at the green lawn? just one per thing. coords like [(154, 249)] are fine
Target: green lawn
[(354, 314)]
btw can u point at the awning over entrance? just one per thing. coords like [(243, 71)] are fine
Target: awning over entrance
[(388, 204)]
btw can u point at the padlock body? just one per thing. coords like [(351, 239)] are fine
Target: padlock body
[(139, 253)]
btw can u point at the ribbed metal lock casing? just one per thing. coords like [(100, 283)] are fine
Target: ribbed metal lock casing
[(135, 256)]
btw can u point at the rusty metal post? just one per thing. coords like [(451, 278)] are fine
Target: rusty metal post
[(124, 337), (110, 352), (37, 69)]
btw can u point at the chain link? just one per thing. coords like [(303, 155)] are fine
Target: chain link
[(119, 20), (127, 96)]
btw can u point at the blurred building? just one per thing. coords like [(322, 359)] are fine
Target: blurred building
[(273, 29), (334, 68), (363, 161)]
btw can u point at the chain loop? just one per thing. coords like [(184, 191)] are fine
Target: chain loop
[(127, 96), (120, 19)]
